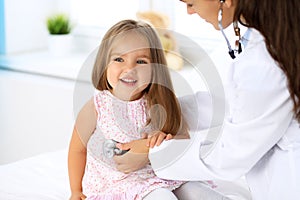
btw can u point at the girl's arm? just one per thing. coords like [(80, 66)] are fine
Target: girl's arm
[(135, 159), (76, 165), (84, 127), (137, 156)]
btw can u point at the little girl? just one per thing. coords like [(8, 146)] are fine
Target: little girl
[(134, 96)]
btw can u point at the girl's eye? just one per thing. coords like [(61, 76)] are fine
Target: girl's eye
[(189, 5), (141, 62), (118, 59)]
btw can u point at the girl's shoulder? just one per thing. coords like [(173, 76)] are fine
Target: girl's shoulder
[(101, 98)]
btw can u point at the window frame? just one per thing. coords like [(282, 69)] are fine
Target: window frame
[(2, 28)]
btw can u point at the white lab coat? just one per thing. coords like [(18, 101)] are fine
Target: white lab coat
[(259, 137)]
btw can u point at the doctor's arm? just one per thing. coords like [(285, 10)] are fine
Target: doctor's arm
[(137, 156), (261, 111)]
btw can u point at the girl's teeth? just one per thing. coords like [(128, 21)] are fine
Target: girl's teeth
[(128, 80)]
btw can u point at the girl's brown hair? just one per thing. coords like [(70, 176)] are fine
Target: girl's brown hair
[(279, 22), (159, 93)]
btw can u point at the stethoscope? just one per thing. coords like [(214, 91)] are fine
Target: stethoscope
[(238, 45), (110, 149)]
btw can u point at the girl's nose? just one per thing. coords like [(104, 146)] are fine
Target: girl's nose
[(129, 67)]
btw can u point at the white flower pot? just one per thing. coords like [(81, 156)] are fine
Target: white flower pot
[(60, 45)]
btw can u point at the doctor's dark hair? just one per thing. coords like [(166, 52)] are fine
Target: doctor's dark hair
[(160, 91), (279, 22)]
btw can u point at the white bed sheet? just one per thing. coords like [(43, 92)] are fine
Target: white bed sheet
[(45, 177), (42, 177)]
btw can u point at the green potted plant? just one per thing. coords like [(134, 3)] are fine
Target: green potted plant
[(58, 24), (59, 29)]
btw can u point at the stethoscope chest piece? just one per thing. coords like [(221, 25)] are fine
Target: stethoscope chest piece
[(110, 149)]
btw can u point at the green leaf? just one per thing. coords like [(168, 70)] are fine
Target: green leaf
[(59, 24)]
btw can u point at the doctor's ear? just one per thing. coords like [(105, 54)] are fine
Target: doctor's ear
[(227, 3)]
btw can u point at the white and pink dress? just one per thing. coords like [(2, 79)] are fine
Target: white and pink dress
[(121, 121)]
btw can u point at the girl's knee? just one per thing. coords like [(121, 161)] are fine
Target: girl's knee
[(160, 193)]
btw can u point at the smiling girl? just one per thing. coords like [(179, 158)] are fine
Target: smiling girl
[(134, 96)]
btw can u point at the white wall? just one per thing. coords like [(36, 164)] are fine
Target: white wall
[(36, 114), (25, 23)]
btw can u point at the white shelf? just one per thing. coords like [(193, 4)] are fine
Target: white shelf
[(44, 63)]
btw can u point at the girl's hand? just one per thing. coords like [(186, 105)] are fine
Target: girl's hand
[(157, 138), (77, 196), (135, 159)]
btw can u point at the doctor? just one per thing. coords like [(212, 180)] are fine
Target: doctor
[(260, 135)]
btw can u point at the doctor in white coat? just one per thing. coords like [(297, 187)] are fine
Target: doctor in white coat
[(260, 133)]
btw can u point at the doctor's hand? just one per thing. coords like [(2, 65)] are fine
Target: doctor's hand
[(135, 159)]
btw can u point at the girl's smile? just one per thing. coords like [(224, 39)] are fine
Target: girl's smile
[(129, 70), (128, 81)]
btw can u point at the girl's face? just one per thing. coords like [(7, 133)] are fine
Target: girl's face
[(129, 68), (208, 10)]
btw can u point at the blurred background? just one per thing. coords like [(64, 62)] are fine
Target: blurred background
[(37, 84), (23, 23)]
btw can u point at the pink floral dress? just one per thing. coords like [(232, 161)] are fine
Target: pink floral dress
[(122, 121)]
